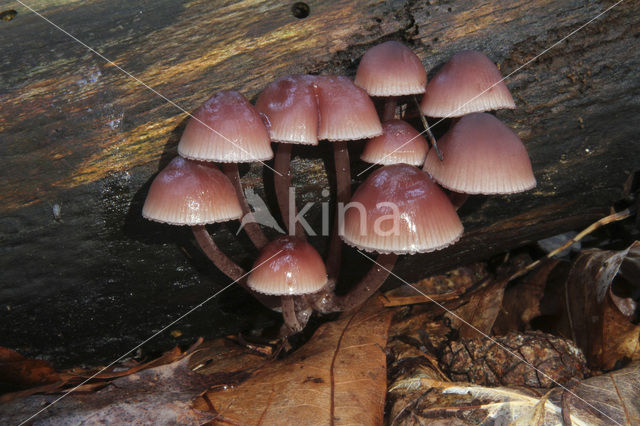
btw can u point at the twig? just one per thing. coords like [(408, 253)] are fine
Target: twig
[(615, 217)]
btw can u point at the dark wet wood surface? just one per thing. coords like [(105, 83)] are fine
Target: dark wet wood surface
[(81, 139)]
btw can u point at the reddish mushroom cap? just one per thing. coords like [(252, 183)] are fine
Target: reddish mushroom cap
[(346, 111), (399, 143), (226, 129), (288, 266), (468, 82), (187, 192), (391, 69), (290, 109), (481, 156), (399, 209)]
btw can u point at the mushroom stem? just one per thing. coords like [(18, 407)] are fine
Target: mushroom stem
[(389, 111), (457, 198), (226, 265), (252, 229), (289, 315), (343, 186), (432, 138), (369, 284), (282, 183)]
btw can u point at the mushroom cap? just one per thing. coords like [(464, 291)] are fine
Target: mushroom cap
[(399, 209), (468, 82), (399, 143), (481, 156), (391, 69), (346, 111), (290, 109), (227, 129), (288, 266), (191, 193)]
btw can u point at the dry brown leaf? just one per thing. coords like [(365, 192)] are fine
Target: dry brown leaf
[(605, 324), (608, 399), (159, 395), (611, 397), (440, 288), (338, 376), (477, 316), (521, 302), (18, 372)]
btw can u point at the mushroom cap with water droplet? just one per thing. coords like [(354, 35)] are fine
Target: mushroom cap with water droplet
[(188, 192), (288, 266), (391, 69), (226, 129), (468, 82), (399, 209)]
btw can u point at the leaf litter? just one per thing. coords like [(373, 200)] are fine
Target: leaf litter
[(416, 360)]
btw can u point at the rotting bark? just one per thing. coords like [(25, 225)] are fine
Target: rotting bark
[(80, 135)]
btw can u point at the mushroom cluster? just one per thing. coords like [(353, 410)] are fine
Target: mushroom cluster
[(398, 209)]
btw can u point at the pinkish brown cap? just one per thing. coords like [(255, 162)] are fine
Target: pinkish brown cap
[(226, 129), (290, 110), (481, 156), (399, 143), (391, 69), (346, 111), (468, 82), (288, 266), (191, 193), (399, 209)]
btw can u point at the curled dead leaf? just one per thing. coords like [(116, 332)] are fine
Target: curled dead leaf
[(338, 376), (603, 318)]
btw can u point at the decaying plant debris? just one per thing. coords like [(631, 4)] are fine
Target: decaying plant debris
[(411, 359)]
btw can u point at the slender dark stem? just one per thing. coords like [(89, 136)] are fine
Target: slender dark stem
[(343, 186), (389, 111), (432, 138), (213, 252), (328, 301), (252, 229), (228, 266), (282, 183), (289, 314), (457, 198)]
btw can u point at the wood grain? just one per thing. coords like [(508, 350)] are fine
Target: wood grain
[(79, 134)]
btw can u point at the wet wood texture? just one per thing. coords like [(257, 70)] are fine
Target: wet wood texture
[(83, 139)]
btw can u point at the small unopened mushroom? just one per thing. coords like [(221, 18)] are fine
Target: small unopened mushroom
[(468, 82), (289, 267), (227, 129)]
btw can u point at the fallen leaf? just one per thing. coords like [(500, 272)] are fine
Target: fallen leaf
[(606, 399), (477, 316), (18, 372), (521, 301), (611, 397), (158, 395), (440, 288), (338, 376), (603, 320)]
